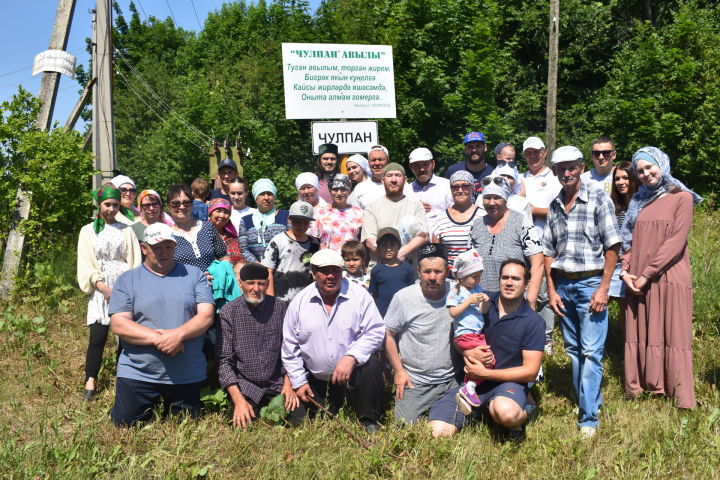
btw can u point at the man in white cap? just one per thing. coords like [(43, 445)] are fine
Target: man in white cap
[(581, 243), (541, 187), (331, 336), (432, 191), (307, 184), (160, 310)]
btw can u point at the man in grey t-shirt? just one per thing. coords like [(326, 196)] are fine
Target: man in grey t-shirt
[(418, 338), (160, 310)]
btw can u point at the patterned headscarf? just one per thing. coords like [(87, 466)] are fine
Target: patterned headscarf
[(216, 203), (646, 194), (164, 217), (107, 191), (464, 176)]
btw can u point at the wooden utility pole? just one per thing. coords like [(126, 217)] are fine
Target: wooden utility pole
[(551, 112), (103, 125), (48, 92)]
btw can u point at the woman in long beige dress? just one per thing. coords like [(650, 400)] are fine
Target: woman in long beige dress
[(656, 272)]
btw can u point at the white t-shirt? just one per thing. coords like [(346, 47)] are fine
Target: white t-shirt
[(540, 190), (436, 194), (602, 181), (365, 192), (236, 215)]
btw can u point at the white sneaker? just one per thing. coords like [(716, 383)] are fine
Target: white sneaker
[(588, 433)]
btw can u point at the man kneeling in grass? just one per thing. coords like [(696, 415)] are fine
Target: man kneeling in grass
[(249, 365), (515, 335)]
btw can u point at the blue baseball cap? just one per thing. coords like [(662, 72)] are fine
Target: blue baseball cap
[(475, 137)]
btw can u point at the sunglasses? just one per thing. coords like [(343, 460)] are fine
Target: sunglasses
[(461, 188), (499, 181), (124, 190), (604, 153), (176, 204), (148, 206), (502, 163)]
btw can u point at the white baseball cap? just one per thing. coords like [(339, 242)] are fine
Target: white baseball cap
[(420, 155), (327, 257), (533, 142), (568, 153), (158, 232)]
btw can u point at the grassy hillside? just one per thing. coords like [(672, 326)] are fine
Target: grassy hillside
[(46, 432)]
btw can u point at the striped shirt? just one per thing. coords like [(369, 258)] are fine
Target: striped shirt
[(578, 240), (454, 236)]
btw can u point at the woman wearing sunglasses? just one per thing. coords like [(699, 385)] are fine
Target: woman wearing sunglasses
[(502, 234), (128, 192), (452, 229), (151, 211), (198, 243), (506, 167)]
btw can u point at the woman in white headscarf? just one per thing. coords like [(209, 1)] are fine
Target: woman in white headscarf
[(256, 230), (656, 272), (360, 175), (502, 234)]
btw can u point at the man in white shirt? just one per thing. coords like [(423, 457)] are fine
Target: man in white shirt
[(432, 191), (541, 187), (602, 151)]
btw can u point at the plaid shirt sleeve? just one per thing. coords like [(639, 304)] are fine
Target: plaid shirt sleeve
[(606, 221), (549, 240)]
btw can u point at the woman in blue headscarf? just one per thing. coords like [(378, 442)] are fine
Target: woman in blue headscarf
[(656, 272), (256, 230)]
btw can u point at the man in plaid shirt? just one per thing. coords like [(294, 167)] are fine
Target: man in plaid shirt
[(249, 365), (581, 243)]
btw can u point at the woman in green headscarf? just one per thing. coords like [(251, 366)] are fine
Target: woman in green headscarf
[(106, 248)]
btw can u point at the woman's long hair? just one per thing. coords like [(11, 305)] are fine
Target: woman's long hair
[(621, 201)]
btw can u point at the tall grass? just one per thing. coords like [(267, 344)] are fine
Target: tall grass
[(46, 432)]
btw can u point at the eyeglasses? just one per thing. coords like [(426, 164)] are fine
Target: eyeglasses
[(502, 163), (604, 153), (499, 181), (461, 188), (127, 190), (185, 203), (148, 206)]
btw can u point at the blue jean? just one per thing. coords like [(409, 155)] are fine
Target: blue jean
[(584, 333)]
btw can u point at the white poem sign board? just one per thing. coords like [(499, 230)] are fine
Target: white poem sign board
[(350, 137), (324, 80)]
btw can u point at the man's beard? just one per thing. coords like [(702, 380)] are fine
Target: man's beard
[(255, 301)]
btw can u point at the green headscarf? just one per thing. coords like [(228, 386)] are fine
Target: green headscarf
[(100, 195)]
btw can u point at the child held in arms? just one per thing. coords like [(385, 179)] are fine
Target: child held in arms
[(391, 274), (467, 304), (288, 254)]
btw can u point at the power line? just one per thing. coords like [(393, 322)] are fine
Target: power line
[(162, 102), (171, 12), (196, 15), (125, 80), (142, 9)]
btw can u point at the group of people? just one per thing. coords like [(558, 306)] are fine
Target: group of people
[(451, 283)]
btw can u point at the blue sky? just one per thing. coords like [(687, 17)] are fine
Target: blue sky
[(26, 26)]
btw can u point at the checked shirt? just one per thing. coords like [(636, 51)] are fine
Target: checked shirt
[(578, 240), (249, 347)]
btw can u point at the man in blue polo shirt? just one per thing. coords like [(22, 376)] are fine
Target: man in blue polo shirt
[(516, 338), (474, 160), (160, 310)]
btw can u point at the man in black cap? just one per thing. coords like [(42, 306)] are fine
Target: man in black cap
[(227, 172), (418, 338), (327, 166), (249, 365)]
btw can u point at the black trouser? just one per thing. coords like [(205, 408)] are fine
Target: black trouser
[(135, 400), (366, 389), (96, 345)]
